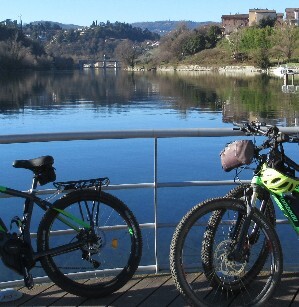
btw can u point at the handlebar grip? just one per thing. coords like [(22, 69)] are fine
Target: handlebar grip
[(283, 138)]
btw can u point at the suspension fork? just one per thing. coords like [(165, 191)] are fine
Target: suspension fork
[(242, 227), (263, 208)]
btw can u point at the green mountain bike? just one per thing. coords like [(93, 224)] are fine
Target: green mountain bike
[(88, 241), (225, 251)]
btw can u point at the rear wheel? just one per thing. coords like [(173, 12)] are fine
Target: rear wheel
[(112, 245)]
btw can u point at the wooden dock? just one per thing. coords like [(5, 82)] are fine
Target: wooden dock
[(154, 290)]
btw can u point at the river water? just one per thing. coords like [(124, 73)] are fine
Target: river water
[(94, 100)]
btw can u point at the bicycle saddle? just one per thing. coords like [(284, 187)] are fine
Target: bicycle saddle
[(34, 164)]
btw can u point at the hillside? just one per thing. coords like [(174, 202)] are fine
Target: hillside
[(61, 25)]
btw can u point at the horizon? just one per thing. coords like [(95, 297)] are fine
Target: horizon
[(72, 24), (130, 11)]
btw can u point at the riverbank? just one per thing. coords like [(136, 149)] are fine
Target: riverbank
[(227, 70), (245, 69)]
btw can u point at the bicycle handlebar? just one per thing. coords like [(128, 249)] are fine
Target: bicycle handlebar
[(272, 133), (274, 137)]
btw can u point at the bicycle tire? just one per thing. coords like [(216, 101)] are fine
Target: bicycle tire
[(119, 248), (187, 258), (269, 212)]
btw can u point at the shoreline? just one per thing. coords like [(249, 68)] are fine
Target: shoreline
[(247, 69)]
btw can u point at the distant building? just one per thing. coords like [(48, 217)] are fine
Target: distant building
[(256, 15), (232, 23), (292, 16), (279, 18)]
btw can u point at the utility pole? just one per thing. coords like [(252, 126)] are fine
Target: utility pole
[(21, 25)]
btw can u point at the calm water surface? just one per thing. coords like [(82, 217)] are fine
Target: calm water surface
[(91, 100)]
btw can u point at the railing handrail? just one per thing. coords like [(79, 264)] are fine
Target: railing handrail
[(126, 134)]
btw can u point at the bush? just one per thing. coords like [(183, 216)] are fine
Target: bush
[(261, 58)]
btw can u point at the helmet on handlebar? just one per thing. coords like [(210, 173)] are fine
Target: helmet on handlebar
[(276, 181)]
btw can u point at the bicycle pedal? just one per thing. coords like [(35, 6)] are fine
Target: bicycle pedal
[(28, 280)]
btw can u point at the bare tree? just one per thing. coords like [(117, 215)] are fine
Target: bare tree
[(12, 52), (127, 52)]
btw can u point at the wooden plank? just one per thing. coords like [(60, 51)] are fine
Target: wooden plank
[(69, 300), (165, 294), (48, 294), (141, 291), (108, 300), (286, 291), (45, 298), (29, 295)]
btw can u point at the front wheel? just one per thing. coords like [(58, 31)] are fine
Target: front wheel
[(190, 258), (112, 245)]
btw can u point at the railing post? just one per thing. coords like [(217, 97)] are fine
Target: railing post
[(156, 202)]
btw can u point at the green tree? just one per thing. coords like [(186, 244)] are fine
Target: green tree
[(194, 44), (213, 36), (285, 39), (254, 38), (267, 22), (261, 58)]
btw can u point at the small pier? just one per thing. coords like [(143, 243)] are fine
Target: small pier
[(289, 82), (153, 290), (145, 290), (103, 64)]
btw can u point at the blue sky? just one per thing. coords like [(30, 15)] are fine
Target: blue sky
[(83, 12)]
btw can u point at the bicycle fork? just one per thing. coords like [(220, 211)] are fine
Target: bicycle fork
[(241, 230)]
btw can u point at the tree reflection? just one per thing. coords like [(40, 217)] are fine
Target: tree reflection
[(239, 98)]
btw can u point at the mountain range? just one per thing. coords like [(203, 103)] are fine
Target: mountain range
[(163, 27), (160, 27)]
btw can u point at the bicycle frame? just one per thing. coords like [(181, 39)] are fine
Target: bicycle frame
[(282, 203), (31, 199)]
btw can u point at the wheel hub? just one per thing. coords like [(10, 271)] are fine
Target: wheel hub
[(95, 241)]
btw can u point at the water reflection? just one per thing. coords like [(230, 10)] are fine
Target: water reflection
[(237, 97)]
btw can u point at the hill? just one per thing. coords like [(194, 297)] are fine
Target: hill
[(160, 27), (61, 25), (163, 27)]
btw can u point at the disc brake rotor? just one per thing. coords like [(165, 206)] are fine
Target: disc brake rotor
[(225, 266)]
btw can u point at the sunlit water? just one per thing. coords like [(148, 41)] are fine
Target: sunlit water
[(94, 100)]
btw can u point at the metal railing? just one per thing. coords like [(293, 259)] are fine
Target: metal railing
[(155, 185)]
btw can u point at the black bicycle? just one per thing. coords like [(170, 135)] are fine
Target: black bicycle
[(88, 241), (225, 251)]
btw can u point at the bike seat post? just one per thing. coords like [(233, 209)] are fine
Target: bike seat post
[(34, 183)]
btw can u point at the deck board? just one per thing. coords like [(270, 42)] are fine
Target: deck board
[(154, 290)]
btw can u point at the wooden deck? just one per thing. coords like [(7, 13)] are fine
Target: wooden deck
[(143, 290)]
